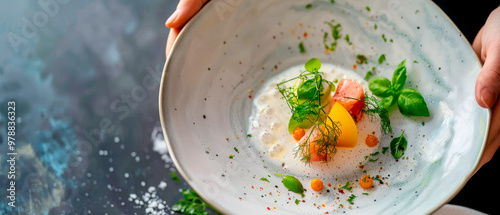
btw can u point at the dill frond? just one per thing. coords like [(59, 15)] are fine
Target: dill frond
[(373, 109)]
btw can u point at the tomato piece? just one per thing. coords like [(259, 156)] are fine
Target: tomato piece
[(351, 96)]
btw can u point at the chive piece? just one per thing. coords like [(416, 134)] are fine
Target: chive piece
[(301, 47)]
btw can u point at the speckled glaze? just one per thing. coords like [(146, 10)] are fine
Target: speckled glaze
[(225, 54)]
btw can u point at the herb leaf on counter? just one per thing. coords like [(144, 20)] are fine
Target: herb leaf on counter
[(191, 204)]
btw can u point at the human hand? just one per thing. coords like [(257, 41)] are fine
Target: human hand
[(487, 47), (185, 10)]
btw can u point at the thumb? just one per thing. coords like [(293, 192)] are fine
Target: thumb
[(185, 10), (488, 82)]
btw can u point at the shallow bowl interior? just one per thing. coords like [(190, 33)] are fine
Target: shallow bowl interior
[(228, 51)]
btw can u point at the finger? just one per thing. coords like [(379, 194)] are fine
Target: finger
[(476, 45), (185, 10), (172, 35), (488, 82), (493, 141)]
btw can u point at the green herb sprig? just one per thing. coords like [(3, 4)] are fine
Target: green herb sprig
[(335, 28), (410, 101), (191, 204), (351, 199), (374, 108), (347, 186)]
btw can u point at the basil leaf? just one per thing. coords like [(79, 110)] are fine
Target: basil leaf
[(313, 65), (292, 183), (306, 123), (412, 103), (387, 102), (380, 86), (399, 77), (398, 146)]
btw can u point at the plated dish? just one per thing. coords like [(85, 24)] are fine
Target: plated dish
[(228, 126)]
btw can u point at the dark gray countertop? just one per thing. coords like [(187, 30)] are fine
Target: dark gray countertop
[(84, 76)]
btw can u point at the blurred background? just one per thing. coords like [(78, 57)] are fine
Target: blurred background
[(85, 78)]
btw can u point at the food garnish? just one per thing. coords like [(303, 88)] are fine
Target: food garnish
[(366, 182), (191, 204), (316, 184), (398, 146), (351, 198), (292, 183), (371, 140), (410, 101), (347, 186), (307, 98), (174, 177)]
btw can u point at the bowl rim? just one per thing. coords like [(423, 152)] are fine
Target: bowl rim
[(219, 208)]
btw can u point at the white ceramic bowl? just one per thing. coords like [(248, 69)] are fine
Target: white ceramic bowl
[(233, 46)]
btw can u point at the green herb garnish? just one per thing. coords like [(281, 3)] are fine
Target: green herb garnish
[(297, 201), (383, 37), (374, 108), (351, 198), (308, 6), (301, 48), (381, 59), (236, 150), (292, 183), (366, 194), (370, 157), (231, 156), (191, 204), (174, 177), (249, 135), (335, 28), (264, 179), (306, 99), (347, 186), (347, 39), (369, 74), (384, 150), (368, 9), (410, 101), (398, 146), (361, 59)]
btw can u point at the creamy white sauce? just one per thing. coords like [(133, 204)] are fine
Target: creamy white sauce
[(269, 124)]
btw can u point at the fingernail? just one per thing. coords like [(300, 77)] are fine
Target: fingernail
[(487, 97), (172, 18)]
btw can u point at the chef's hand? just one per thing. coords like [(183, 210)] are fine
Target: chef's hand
[(487, 47), (185, 10)]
